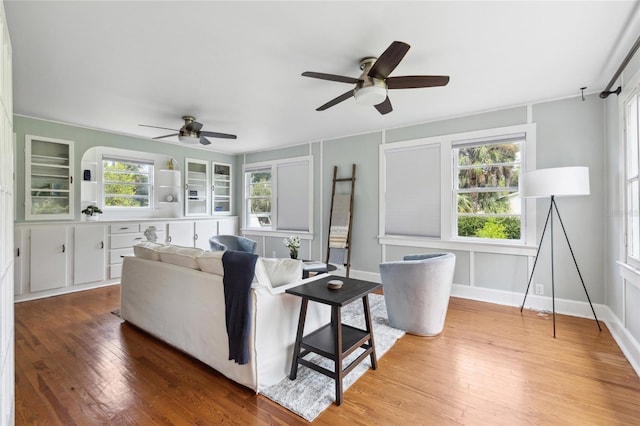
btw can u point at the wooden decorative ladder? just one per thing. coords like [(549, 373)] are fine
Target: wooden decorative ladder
[(338, 237)]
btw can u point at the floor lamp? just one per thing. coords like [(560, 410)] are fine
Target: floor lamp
[(555, 182)]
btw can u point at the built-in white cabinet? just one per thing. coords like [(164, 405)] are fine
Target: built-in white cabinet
[(221, 189), (48, 178), (122, 238), (88, 254), (56, 258), (180, 233), (197, 233), (197, 191), (48, 258), (168, 188), (228, 226), (203, 230), (89, 181)]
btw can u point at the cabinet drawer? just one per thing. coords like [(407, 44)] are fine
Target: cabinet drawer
[(125, 240), (124, 228), (115, 255), (160, 226), (115, 271)]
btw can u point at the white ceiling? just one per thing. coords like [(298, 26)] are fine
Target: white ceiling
[(236, 65)]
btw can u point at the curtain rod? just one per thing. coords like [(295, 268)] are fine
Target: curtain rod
[(606, 92)]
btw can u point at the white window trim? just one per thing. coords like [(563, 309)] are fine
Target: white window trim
[(448, 239), (274, 196), (632, 88)]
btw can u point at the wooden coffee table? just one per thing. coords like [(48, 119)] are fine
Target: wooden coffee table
[(335, 340)]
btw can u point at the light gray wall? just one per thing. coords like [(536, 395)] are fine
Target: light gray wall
[(83, 139), (570, 133)]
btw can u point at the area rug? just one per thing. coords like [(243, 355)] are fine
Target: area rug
[(311, 392)]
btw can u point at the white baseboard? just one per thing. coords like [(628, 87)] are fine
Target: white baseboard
[(628, 344), (60, 291)]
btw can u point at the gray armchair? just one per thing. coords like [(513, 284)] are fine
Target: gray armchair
[(417, 290), (232, 242)]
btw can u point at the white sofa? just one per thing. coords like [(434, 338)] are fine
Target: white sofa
[(184, 306)]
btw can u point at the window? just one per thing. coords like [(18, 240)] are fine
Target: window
[(278, 195), (126, 183), (486, 188), (258, 198), (459, 188), (632, 181)]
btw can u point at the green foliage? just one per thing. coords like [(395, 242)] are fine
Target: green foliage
[(126, 184), (261, 187), (91, 210), (489, 227), (493, 171)]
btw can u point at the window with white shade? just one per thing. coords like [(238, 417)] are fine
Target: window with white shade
[(457, 188), (278, 195)]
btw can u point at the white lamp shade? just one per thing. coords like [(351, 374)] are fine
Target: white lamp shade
[(558, 181)]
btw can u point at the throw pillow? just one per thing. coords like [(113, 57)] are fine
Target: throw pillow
[(147, 250), (181, 256), (211, 262), (282, 271)]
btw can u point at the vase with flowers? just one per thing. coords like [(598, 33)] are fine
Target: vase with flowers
[(293, 244)]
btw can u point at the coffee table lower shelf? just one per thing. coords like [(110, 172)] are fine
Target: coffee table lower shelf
[(323, 342)]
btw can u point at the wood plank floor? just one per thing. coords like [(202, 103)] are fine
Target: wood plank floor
[(77, 364)]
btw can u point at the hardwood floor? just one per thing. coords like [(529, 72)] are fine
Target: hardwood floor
[(77, 364)]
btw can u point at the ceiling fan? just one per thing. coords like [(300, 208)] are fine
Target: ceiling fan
[(372, 85), (190, 133)]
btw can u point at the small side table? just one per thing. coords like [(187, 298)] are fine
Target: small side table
[(317, 267), (335, 340)]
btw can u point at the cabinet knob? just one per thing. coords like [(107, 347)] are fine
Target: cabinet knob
[(169, 239), (195, 237), (102, 244), (64, 248)]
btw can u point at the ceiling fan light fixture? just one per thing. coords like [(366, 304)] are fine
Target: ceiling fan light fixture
[(371, 95), (371, 91), (188, 139)]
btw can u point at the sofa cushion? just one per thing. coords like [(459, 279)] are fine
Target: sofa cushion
[(147, 250), (261, 276), (181, 256), (282, 271), (211, 261)]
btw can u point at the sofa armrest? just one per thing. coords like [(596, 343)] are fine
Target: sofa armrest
[(283, 288)]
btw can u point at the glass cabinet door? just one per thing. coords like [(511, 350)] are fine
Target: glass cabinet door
[(196, 198), (221, 188), (48, 178)]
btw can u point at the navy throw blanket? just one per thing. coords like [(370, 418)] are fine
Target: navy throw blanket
[(239, 268)]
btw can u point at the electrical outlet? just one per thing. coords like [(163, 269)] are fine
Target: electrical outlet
[(540, 289)]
